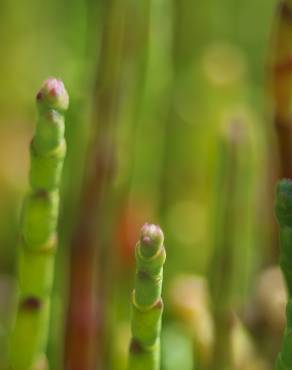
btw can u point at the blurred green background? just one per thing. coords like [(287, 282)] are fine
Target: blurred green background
[(186, 87)]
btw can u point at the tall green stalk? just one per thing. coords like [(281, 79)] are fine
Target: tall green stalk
[(38, 240), (221, 266), (284, 217), (147, 304), (233, 258)]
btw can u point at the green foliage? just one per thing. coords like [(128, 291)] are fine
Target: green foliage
[(151, 85)]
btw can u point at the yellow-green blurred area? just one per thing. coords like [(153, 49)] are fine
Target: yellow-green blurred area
[(195, 152)]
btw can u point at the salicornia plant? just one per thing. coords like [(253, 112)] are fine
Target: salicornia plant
[(38, 239), (284, 216), (147, 304)]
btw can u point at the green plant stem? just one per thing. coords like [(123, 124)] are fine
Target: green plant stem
[(234, 233), (147, 304), (38, 240), (223, 254), (284, 217)]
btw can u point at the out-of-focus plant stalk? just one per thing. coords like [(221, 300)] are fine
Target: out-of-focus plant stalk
[(147, 165), (177, 348), (190, 302), (85, 322), (245, 355), (222, 259), (231, 254), (281, 88), (133, 78)]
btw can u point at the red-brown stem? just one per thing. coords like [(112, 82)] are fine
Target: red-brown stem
[(85, 320), (282, 86), (284, 137)]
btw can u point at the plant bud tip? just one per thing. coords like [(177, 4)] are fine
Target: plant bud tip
[(53, 94), (151, 234)]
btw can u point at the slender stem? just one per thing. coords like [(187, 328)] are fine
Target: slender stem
[(282, 86), (233, 258), (221, 262), (86, 314), (147, 304), (38, 239)]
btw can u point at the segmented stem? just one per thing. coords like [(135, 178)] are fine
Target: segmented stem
[(38, 239), (147, 304), (284, 216)]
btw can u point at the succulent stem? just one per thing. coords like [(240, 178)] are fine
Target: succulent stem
[(38, 239), (147, 304)]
